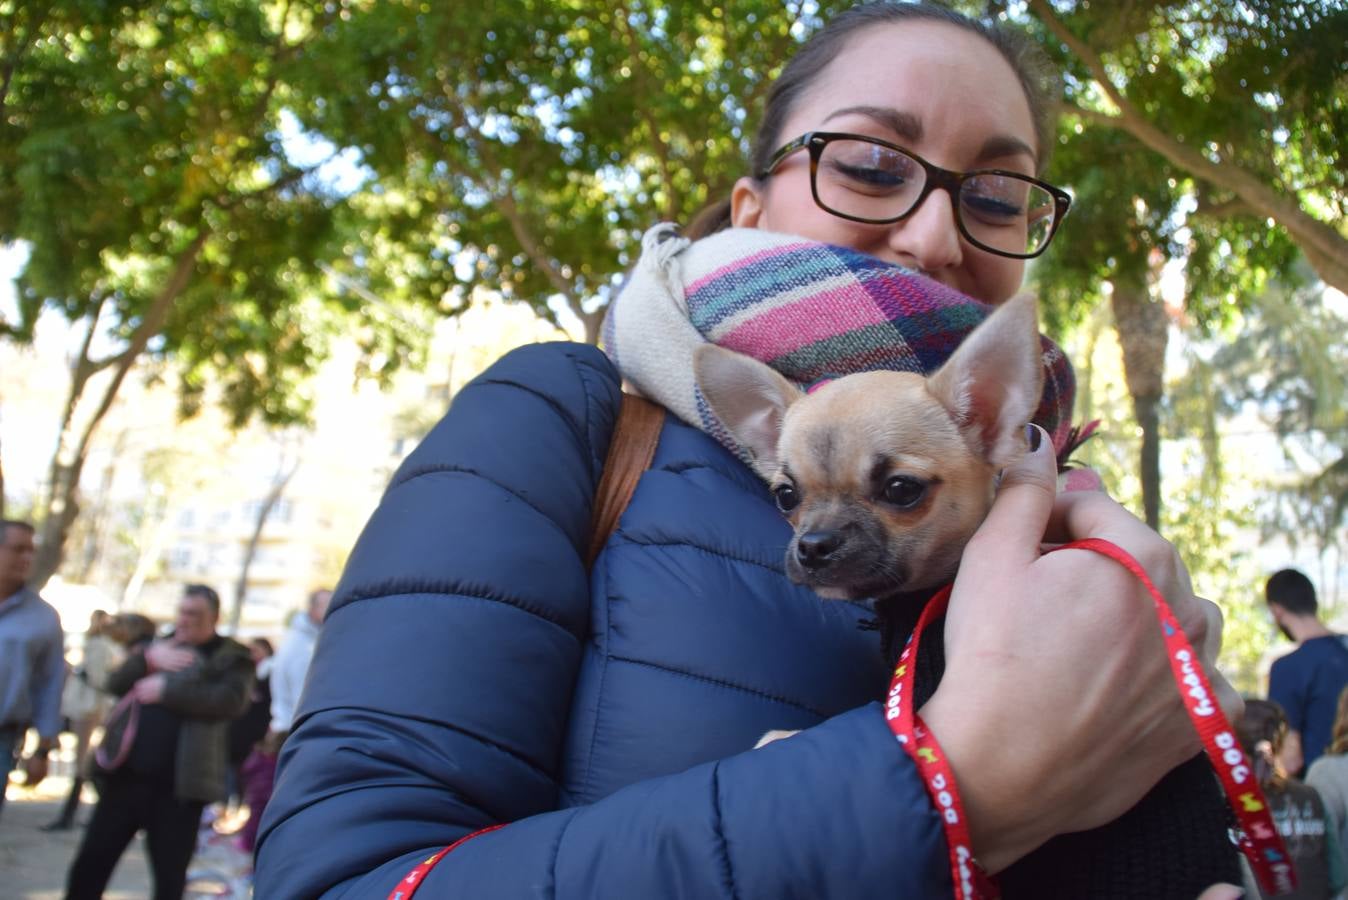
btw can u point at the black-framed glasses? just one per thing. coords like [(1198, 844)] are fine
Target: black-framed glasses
[(865, 179)]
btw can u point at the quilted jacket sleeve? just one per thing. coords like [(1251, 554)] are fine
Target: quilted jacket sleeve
[(439, 695)]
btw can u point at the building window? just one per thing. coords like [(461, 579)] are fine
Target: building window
[(180, 558)]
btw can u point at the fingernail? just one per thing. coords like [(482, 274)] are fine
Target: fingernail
[(1032, 434)]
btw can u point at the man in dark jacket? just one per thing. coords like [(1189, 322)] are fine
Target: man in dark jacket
[(188, 687)]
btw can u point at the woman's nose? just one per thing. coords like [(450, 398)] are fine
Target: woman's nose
[(929, 239)]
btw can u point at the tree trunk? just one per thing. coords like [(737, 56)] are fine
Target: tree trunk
[(95, 529), (283, 476), (154, 534), (1144, 330), (594, 322), (72, 445), (63, 479)]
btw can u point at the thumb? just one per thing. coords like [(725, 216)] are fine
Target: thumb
[(1020, 512)]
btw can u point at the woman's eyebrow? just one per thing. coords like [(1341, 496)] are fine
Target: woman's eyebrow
[(1003, 145), (906, 125)]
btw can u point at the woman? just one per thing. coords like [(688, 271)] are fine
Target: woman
[(1329, 774), (86, 701), (135, 631), (248, 729), (251, 727), (473, 673), (1299, 812)]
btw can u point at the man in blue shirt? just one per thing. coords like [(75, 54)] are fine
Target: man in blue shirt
[(32, 658), (1306, 682)]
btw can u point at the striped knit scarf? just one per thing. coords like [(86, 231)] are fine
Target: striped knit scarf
[(809, 310)]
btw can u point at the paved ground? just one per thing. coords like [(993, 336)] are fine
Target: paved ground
[(33, 863)]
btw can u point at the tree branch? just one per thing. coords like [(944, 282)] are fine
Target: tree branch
[(498, 186), (530, 244), (11, 64), (644, 90), (152, 321), (1326, 249), (1223, 209)]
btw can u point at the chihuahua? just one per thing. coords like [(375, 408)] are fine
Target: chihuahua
[(885, 475)]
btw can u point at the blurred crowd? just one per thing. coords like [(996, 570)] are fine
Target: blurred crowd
[(176, 728)]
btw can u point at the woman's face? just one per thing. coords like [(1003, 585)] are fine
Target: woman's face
[(935, 89)]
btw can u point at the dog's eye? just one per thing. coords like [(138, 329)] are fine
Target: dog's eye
[(903, 491), (788, 498)]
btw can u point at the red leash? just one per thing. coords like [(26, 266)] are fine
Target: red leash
[(412, 880), (1259, 838)]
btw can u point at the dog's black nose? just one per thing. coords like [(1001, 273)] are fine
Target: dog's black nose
[(814, 548)]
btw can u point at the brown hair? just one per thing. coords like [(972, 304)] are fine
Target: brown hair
[(1264, 722), (1338, 737), (134, 628), (7, 524), (1032, 68)]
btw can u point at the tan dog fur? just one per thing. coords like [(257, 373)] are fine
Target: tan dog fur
[(857, 450)]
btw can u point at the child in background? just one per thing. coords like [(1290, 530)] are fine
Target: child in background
[(1307, 829)]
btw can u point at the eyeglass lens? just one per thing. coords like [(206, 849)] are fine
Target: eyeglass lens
[(869, 181)]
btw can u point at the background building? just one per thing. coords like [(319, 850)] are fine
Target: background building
[(169, 501)]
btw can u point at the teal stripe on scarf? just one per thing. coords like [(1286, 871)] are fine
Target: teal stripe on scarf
[(750, 287), (869, 348)]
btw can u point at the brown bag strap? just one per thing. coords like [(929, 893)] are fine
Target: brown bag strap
[(629, 454)]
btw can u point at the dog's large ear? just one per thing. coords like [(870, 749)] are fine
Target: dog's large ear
[(749, 397), (993, 381)]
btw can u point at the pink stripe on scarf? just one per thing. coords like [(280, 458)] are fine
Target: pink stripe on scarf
[(747, 261), (817, 316)]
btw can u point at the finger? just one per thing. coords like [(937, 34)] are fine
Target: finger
[(1228, 698), (1012, 530), (1085, 514), (1212, 637), (1222, 892)]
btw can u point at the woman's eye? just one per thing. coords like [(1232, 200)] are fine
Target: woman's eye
[(868, 176), (992, 210), (788, 498), (904, 492)]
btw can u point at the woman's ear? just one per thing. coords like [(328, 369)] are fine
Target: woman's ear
[(746, 203)]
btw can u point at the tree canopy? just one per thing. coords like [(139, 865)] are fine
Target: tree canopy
[(224, 185), (145, 159)]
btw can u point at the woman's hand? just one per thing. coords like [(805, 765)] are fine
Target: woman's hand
[(1058, 710)]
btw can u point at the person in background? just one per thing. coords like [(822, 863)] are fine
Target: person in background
[(1298, 811), (32, 659), (292, 663), (136, 631), (251, 727), (86, 701), (288, 670), (188, 686), (1307, 682), (1329, 774)]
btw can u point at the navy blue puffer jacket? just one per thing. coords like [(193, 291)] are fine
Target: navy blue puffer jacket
[(471, 672)]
